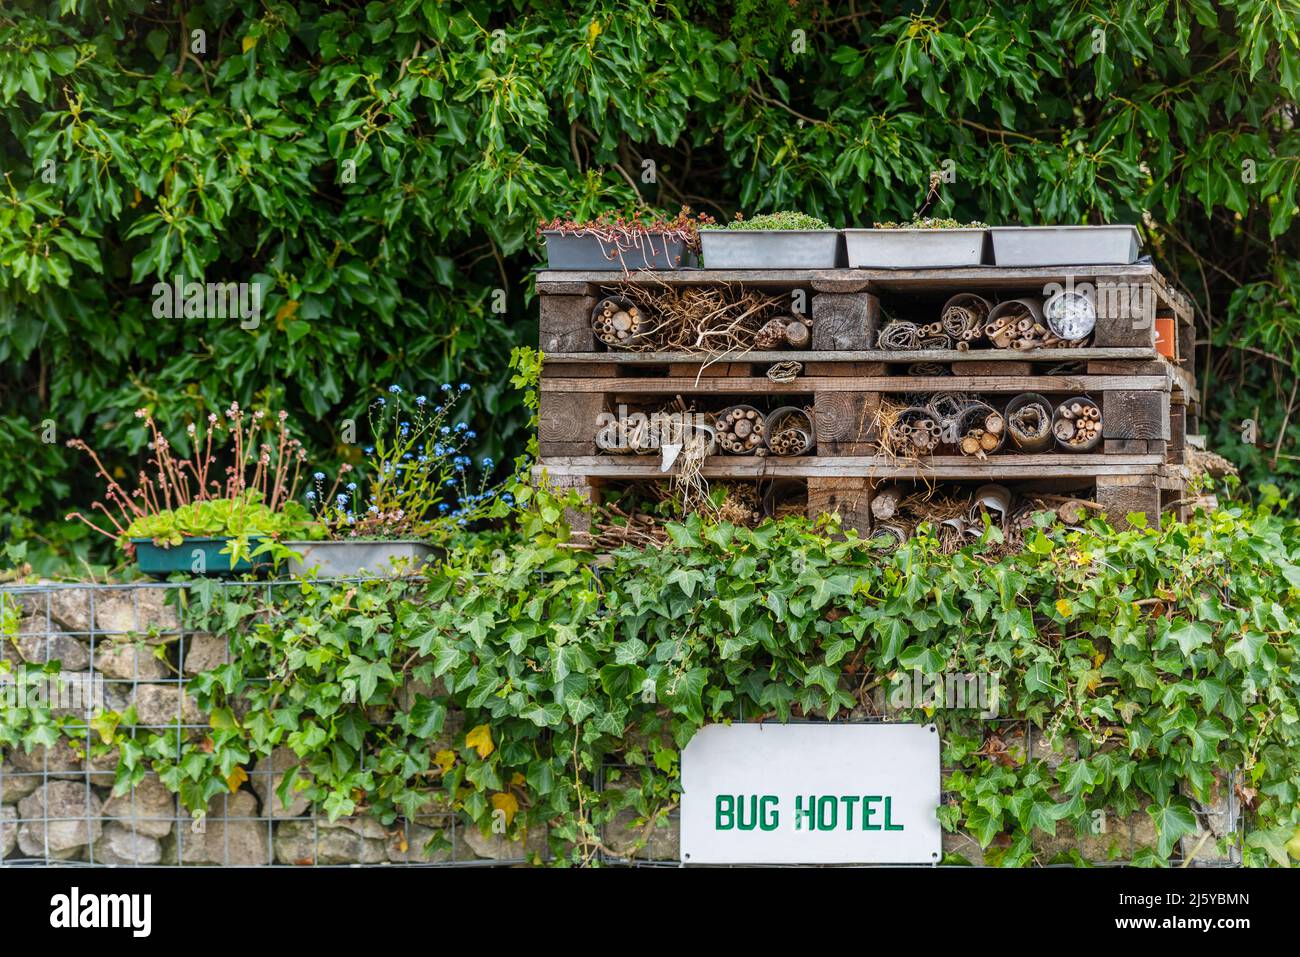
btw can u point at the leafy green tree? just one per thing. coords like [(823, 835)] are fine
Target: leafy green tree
[(379, 168)]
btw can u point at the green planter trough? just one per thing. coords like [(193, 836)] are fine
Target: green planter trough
[(193, 556)]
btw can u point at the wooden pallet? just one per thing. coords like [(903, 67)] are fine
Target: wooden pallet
[(1148, 401)]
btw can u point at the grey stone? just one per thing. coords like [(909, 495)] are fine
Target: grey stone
[(158, 705), (204, 651), (150, 809), (266, 777), (121, 846), (631, 836), (62, 761), (1052, 754), (964, 846), (228, 835), (417, 837), (62, 814), (320, 842), (128, 661), (496, 847), (8, 830), (70, 607), (70, 652), (14, 783), (83, 695), (121, 611)]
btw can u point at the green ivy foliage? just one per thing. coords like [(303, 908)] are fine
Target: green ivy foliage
[(380, 166), (524, 676)]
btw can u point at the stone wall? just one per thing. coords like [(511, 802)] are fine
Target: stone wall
[(57, 806)]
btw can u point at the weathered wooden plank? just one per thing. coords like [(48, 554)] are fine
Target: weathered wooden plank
[(564, 288), (1000, 356), (844, 321), (844, 368), (713, 369), (956, 278), (1132, 414), (849, 497), (809, 384), (998, 368), (1010, 467)]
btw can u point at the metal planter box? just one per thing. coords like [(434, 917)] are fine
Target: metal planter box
[(1064, 245), (346, 559), (770, 248), (915, 248), (589, 252), (204, 552)]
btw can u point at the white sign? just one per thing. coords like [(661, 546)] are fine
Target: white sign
[(811, 794)]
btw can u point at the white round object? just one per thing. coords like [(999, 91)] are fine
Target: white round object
[(1070, 315)]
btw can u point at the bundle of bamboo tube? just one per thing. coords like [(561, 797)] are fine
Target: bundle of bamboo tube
[(741, 430), (982, 431), (1077, 424), (619, 323)]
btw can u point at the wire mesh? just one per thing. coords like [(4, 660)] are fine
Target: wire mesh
[(127, 645)]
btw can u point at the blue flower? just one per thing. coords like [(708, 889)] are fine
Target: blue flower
[(370, 450), (379, 401), (311, 496), (420, 400), (319, 476), (352, 486), (461, 426), (444, 431), (445, 387), (488, 463), (450, 483), (341, 500), (464, 387), (443, 508), (373, 510), (395, 389), (471, 434)]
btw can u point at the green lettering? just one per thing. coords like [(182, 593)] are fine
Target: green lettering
[(849, 800), (725, 813), (827, 822), (888, 825), (867, 811), (801, 812), (771, 816)]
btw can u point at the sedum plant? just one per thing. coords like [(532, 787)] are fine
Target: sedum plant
[(175, 498), (773, 221)]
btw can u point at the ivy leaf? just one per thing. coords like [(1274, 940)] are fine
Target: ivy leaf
[(1173, 821), (480, 739)]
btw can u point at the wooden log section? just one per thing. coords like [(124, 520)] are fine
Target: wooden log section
[(564, 324), (579, 520), (844, 321), (1121, 495), (1130, 414), (844, 422), (849, 497), (567, 422)]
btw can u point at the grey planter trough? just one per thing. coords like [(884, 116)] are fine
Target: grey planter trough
[(915, 248), (342, 559), (771, 248), (1064, 245), (588, 252)]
